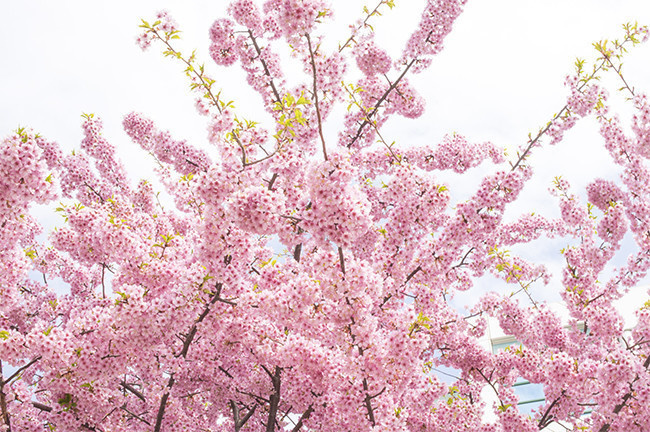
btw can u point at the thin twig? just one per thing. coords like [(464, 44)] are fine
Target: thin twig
[(363, 24), (413, 273), (19, 370), (266, 69), (133, 390), (302, 418), (315, 90), (342, 260), (366, 121)]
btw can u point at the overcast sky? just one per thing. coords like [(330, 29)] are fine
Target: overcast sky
[(500, 76)]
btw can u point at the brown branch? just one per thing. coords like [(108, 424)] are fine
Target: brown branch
[(94, 191), (240, 422), (546, 419), (163, 405), (196, 165), (487, 380), (103, 285), (22, 368), (302, 418), (266, 69), (462, 261), (135, 415), (413, 273), (342, 260), (257, 398), (186, 346), (296, 252), (368, 402), (380, 101), (315, 90), (272, 181), (225, 372), (274, 399), (363, 24), (555, 117), (206, 86), (206, 310), (42, 407), (626, 397), (620, 75), (133, 390), (227, 301), (244, 157)]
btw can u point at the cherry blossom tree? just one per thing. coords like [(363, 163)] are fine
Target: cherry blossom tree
[(299, 281)]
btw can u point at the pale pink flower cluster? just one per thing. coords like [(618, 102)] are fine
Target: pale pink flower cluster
[(604, 194), (427, 40), (371, 59), (338, 211), (184, 157), (25, 174), (457, 154), (247, 14), (296, 17), (641, 123), (582, 101), (222, 49), (256, 209)]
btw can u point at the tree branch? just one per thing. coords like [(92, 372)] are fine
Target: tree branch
[(186, 346), (190, 336), (42, 407), (626, 397), (94, 191), (546, 419), (266, 69), (163, 405), (133, 390), (296, 252), (342, 260), (368, 402), (136, 416), (240, 422), (315, 90), (380, 101), (363, 24), (191, 68), (274, 399), (555, 117), (302, 418), (22, 368), (413, 273)]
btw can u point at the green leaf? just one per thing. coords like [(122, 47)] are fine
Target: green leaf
[(4, 335)]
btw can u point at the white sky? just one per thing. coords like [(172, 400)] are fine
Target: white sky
[(500, 76)]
